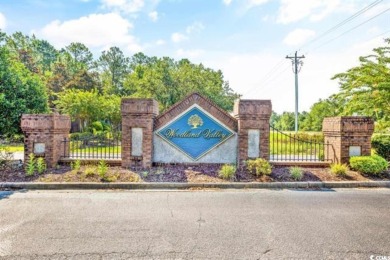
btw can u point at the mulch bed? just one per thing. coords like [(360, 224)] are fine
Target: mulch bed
[(195, 174)]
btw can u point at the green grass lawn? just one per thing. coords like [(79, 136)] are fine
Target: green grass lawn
[(289, 143), (12, 148), (99, 149)]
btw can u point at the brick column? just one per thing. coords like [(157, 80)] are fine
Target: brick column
[(347, 136), (253, 128), (44, 135), (138, 117)]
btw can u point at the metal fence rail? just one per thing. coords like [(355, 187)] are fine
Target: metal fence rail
[(289, 147), (107, 146)]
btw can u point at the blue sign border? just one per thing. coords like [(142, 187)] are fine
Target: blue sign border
[(179, 117)]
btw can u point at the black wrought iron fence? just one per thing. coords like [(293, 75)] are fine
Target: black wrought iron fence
[(298, 147), (88, 146)]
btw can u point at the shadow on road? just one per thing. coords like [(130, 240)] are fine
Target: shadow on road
[(5, 194), (314, 189)]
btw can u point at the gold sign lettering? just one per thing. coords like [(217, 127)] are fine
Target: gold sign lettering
[(207, 134)]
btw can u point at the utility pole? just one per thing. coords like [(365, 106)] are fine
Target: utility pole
[(297, 64)]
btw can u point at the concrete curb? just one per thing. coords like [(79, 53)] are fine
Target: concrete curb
[(176, 186)]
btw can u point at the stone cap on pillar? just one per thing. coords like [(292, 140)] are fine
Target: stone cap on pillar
[(348, 124), (39, 122), (252, 107), (139, 106)]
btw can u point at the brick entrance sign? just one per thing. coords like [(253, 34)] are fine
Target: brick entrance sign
[(193, 131), (43, 136), (348, 136)]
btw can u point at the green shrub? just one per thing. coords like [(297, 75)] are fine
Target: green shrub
[(5, 156), (309, 137), (296, 173), (97, 126), (41, 165), (259, 167), (339, 169), (373, 164), (227, 171), (102, 170), (76, 165), (90, 171), (30, 166), (80, 136), (381, 144)]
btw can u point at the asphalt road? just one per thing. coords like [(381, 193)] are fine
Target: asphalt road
[(249, 224)]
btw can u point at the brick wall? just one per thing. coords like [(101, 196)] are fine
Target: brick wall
[(50, 129), (138, 113), (252, 114), (203, 102), (346, 131)]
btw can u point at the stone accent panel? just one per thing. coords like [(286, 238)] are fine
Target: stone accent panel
[(346, 131), (47, 129), (138, 113), (252, 115)]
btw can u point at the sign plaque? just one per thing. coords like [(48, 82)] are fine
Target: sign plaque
[(39, 148), (195, 133)]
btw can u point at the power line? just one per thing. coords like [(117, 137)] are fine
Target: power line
[(275, 72), (365, 9), (351, 29), (267, 80), (267, 76)]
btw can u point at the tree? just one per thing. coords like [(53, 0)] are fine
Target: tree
[(45, 54), (114, 66), (79, 58), (286, 122), (168, 81), (20, 92), (275, 118), (37, 55), (89, 106), (57, 81), (84, 80), (331, 106), (366, 88)]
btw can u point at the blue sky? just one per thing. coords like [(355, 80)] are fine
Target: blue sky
[(246, 39)]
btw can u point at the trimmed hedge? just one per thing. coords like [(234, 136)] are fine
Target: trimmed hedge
[(368, 164), (381, 144)]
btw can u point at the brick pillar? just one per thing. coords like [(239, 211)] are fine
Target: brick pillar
[(137, 131), (253, 128), (347, 136), (44, 135)]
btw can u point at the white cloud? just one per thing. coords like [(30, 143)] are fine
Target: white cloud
[(189, 53), (126, 6), (153, 16), (3, 21), (178, 37), (227, 2), (316, 10), (160, 42), (96, 31), (253, 3), (196, 27), (298, 37)]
